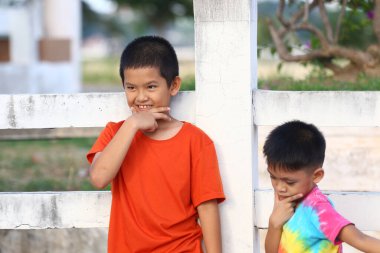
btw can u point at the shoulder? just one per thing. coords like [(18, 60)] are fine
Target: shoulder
[(319, 202), (316, 198), (113, 127), (196, 134)]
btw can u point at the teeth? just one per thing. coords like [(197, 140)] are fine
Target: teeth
[(144, 106)]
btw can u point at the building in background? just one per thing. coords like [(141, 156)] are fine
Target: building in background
[(40, 46)]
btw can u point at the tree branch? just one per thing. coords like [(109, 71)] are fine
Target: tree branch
[(358, 58), (283, 51), (280, 14), (376, 21), (325, 20), (297, 17), (339, 21), (306, 11), (316, 31)]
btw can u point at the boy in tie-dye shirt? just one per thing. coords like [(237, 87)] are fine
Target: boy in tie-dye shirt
[(303, 218)]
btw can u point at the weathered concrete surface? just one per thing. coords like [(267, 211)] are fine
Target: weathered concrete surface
[(54, 241)]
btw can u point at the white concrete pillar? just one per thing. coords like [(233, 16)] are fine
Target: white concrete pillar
[(225, 62), (62, 20), (21, 36)]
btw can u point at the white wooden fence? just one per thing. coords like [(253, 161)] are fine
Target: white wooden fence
[(226, 104)]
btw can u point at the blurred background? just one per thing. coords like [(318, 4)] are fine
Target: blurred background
[(69, 46)]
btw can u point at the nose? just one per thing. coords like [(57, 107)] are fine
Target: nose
[(141, 96), (280, 186)]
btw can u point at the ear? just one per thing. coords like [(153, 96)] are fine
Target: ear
[(176, 85), (318, 175)]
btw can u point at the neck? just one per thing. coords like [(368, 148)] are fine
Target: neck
[(166, 129)]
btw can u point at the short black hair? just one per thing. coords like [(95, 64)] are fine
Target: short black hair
[(150, 51), (294, 146)]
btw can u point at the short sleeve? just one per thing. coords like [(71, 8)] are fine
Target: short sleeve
[(206, 182), (104, 138), (330, 222)]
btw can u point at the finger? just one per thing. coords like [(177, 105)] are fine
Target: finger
[(152, 129), (276, 199), (162, 116), (295, 197), (160, 109)]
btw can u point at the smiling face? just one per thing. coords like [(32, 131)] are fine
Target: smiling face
[(288, 183), (145, 88)]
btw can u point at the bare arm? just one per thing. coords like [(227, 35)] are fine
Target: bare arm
[(210, 222), (357, 239), (283, 210), (106, 164), (272, 240)]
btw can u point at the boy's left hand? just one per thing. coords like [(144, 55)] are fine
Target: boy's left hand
[(283, 210)]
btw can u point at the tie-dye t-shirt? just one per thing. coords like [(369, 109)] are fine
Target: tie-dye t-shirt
[(314, 227)]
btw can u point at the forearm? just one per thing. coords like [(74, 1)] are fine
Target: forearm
[(106, 165), (370, 245), (272, 240), (210, 223), (357, 239)]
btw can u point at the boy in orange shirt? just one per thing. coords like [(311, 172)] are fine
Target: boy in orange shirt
[(163, 172)]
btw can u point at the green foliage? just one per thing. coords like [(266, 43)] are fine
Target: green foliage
[(160, 12), (188, 83), (356, 31), (263, 35)]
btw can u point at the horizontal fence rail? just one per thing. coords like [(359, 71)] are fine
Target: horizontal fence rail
[(330, 108), (323, 108), (76, 110), (43, 210)]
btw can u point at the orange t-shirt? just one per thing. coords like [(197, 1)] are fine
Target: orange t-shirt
[(157, 190)]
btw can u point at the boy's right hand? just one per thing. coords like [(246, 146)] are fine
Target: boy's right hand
[(147, 120), (283, 210)]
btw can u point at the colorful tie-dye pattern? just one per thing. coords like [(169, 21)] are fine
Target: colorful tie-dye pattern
[(314, 227)]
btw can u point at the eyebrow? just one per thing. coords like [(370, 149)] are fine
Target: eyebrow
[(147, 83)]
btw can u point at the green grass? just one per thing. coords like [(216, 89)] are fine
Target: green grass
[(105, 72), (101, 71), (45, 165), (320, 84)]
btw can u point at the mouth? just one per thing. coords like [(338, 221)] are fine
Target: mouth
[(280, 197), (143, 107)]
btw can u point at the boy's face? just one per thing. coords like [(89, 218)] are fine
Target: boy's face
[(145, 88), (289, 183)]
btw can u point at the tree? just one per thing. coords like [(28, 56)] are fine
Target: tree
[(329, 44), (160, 12)]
